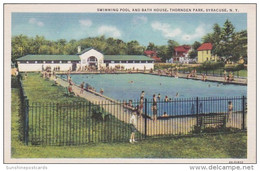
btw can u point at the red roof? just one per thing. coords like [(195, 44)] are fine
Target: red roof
[(183, 48), (149, 52), (205, 46), (156, 58)]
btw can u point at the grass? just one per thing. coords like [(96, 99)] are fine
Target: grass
[(59, 119), (205, 146)]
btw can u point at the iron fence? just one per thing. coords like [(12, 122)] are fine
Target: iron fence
[(24, 110), (214, 72), (109, 121)]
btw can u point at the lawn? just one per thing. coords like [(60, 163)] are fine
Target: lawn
[(59, 119), (204, 146)]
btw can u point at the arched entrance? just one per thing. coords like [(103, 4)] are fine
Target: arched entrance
[(92, 61)]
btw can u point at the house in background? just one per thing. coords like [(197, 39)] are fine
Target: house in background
[(152, 54), (181, 54), (204, 53), (85, 58)]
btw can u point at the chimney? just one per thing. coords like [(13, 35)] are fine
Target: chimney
[(79, 49)]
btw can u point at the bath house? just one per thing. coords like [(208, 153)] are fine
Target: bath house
[(86, 57)]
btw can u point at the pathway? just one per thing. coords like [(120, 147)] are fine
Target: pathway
[(160, 127)]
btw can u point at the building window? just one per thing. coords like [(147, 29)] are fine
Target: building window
[(130, 61), (56, 62), (123, 61), (150, 61)]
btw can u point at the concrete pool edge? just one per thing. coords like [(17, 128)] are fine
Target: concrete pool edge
[(242, 82)]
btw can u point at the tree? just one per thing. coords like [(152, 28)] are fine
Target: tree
[(162, 52), (194, 53), (239, 45), (151, 46), (170, 50), (134, 48), (226, 42)]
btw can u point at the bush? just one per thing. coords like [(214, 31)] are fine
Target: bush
[(236, 67), (99, 114), (209, 65), (14, 82)]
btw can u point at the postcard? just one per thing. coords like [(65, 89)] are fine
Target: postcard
[(130, 83)]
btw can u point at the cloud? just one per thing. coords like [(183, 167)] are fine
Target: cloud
[(109, 31), (139, 20), (34, 21), (166, 29), (86, 22), (200, 31)]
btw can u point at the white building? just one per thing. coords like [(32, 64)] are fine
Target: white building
[(87, 57)]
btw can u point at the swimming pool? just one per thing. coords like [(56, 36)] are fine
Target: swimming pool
[(129, 86)]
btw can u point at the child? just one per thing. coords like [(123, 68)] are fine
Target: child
[(133, 122)]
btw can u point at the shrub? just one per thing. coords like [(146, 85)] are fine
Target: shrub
[(99, 114), (209, 65), (236, 67)]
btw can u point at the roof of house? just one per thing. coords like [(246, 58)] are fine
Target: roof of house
[(183, 48), (205, 46), (77, 58), (149, 52), (156, 58), (49, 58), (127, 58)]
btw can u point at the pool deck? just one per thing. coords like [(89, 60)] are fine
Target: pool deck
[(237, 81), (159, 127)]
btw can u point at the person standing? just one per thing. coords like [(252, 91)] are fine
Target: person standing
[(159, 97), (82, 87), (230, 109), (133, 126), (154, 108), (142, 94)]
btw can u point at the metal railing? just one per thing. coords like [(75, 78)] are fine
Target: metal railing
[(85, 122), (24, 110)]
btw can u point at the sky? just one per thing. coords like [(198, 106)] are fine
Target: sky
[(185, 28)]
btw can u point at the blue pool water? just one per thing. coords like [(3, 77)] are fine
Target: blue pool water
[(119, 86), (129, 86)]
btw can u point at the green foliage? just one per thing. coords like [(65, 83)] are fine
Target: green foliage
[(14, 82), (193, 54), (171, 45), (210, 65), (227, 43), (99, 114), (237, 67)]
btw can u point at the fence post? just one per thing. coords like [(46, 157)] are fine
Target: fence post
[(197, 110), (145, 118), (243, 112), (26, 120)]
